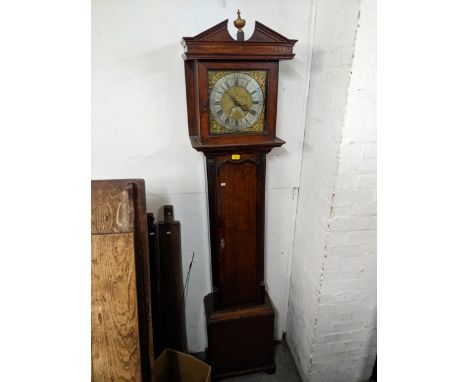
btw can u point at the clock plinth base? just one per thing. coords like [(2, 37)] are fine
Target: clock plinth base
[(240, 340)]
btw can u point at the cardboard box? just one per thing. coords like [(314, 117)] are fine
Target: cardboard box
[(174, 366)]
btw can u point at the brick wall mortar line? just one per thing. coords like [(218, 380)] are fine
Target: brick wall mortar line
[(342, 125)]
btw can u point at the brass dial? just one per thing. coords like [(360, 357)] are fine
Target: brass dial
[(237, 103)]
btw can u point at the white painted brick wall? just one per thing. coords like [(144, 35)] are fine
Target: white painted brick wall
[(332, 302)]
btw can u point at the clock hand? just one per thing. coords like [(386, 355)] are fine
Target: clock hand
[(243, 107), (229, 94), (237, 103)]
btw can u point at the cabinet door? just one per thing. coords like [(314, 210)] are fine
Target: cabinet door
[(239, 229)]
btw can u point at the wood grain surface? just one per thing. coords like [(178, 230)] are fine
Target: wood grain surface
[(114, 334), (112, 208)]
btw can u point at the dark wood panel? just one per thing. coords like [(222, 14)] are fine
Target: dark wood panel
[(158, 343), (190, 78), (240, 340), (264, 147), (236, 203), (237, 209), (171, 286), (213, 215)]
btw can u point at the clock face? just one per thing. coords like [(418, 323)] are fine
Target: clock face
[(237, 101)]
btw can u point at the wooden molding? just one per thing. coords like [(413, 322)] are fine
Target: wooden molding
[(217, 44), (265, 146)]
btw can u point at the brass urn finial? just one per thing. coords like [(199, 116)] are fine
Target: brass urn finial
[(239, 24)]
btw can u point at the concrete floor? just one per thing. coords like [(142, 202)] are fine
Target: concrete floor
[(285, 369)]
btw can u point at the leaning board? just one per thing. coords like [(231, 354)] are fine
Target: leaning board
[(115, 344), (121, 331)]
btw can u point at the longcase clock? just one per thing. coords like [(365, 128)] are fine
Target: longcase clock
[(232, 89)]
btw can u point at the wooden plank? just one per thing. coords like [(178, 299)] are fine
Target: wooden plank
[(114, 324), (112, 209)]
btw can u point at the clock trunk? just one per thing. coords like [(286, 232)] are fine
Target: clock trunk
[(236, 202)]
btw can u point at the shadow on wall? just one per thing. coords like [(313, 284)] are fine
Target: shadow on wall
[(371, 343)]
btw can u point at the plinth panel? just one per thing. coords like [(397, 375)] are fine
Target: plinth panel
[(240, 341)]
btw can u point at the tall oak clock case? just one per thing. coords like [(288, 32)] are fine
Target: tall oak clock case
[(232, 89)]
